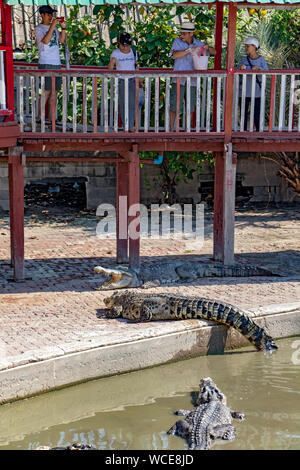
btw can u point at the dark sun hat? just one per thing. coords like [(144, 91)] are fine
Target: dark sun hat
[(125, 38), (46, 9)]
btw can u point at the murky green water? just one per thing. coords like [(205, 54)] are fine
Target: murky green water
[(133, 411)]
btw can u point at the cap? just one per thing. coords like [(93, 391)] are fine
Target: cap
[(253, 42), (125, 38), (187, 28), (46, 9)]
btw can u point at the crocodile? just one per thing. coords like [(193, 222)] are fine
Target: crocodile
[(210, 419), (144, 307), (169, 272)]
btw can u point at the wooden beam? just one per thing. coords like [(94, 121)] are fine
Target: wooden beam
[(122, 212), (16, 161), (134, 208)]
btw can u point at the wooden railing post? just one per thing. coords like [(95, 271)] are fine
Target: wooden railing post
[(218, 56), (16, 161)]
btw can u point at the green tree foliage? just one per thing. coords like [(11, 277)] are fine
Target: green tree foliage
[(176, 167)]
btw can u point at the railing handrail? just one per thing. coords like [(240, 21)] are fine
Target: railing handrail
[(269, 72), (137, 73), (159, 69)]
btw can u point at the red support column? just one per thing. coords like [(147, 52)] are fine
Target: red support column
[(134, 208), (16, 210), (218, 56), (122, 212), (231, 36), (8, 59), (218, 207), (225, 169)]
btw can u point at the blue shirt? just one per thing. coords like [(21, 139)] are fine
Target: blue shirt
[(185, 62), (262, 64)]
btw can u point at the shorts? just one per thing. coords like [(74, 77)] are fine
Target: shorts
[(48, 80), (182, 97)]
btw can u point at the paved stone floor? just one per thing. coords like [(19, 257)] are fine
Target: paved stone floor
[(57, 306)]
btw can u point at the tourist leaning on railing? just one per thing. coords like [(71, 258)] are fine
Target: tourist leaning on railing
[(252, 61), (125, 58), (181, 51), (48, 38)]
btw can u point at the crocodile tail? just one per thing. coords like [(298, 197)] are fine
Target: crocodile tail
[(248, 328), (239, 320)]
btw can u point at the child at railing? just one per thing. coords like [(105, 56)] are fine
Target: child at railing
[(252, 61), (124, 58)]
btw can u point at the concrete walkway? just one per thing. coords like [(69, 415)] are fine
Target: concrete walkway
[(52, 329)]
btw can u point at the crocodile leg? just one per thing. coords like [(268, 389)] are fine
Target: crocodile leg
[(182, 412), (225, 432), (238, 415)]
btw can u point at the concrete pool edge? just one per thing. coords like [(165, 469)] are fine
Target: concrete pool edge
[(64, 367)]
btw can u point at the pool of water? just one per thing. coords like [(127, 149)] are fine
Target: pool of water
[(134, 411)]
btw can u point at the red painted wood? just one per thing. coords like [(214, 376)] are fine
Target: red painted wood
[(8, 60), (218, 207), (224, 170), (231, 36), (218, 56), (122, 212), (133, 208), (16, 199)]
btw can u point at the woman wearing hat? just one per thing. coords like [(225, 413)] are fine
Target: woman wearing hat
[(182, 52), (48, 38), (252, 61), (124, 58)]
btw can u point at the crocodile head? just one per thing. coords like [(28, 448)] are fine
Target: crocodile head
[(209, 391), (123, 305), (118, 278), (268, 344)]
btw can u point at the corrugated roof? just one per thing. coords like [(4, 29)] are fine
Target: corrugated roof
[(149, 2)]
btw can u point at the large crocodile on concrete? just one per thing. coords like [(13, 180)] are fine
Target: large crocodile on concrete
[(143, 307), (169, 272), (210, 419)]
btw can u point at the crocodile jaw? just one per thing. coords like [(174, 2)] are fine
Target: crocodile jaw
[(117, 278)]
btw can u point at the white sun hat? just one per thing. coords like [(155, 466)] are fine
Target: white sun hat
[(187, 28), (253, 41)]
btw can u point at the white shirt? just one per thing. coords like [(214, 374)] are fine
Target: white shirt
[(124, 61), (48, 53)]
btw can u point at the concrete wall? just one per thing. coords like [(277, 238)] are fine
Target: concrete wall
[(257, 174)]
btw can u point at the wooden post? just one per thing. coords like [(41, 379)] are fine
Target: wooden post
[(229, 205), (8, 59), (218, 207), (225, 167), (231, 36), (122, 212), (218, 56), (134, 208), (16, 161)]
